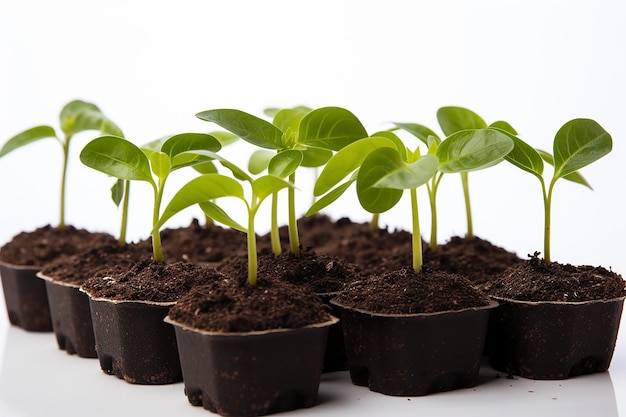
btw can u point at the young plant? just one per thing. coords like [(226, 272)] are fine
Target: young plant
[(205, 189), (453, 119), (299, 137), (461, 152), (577, 144), (77, 116), (120, 194), (122, 159)]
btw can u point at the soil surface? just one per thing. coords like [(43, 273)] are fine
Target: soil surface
[(407, 292), (229, 306), (476, 259), (535, 280), (202, 244), (321, 273), (147, 280), (76, 269), (46, 243)]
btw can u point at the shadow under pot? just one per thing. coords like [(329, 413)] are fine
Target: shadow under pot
[(133, 343), (26, 298), (553, 340), (254, 373), (415, 354), (71, 317)]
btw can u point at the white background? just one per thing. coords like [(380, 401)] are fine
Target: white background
[(151, 65)]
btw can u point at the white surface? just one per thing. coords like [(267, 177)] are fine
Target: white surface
[(151, 65), (38, 379)]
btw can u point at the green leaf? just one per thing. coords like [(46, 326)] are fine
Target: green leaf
[(330, 197), (218, 214), (577, 144), (250, 128), (237, 172), (452, 119), (315, 157), (286, 119), (330, 128), (28, 136), (267, 185), (346, 161), (502, 125), (118, 158), (419, 131), (469, 150), (259, 161), (204, 188), (205, 168), (285, 163), (574, 176), (396, 140), (225, 138), (78, 116), (378, 164), (410, 176), (160, 164), (177, 147), (117, 192), (525, 157)]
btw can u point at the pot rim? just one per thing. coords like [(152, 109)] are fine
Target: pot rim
[(54, 281), (21, 267), (492, 304), (563, 303), (113, 301), (327, 323)]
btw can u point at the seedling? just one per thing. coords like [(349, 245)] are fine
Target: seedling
[(77, 116), (122, 159), (120, 194), (577, 144), (205, 189), (461, 153), (299, 137)]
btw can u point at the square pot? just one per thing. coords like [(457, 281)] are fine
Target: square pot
[(255, 373), (415, 354), (553, 340), (26, 297)]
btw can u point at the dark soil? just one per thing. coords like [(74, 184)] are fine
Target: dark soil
[(230, 306), (476, 259), (374, 251), (320, 273), (407, 292), (147, 280), (202, 244), (46, 243), (76, 269), (535, 280)]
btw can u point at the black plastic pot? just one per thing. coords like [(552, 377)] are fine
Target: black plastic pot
[(415, 354), (553, 340), (71, 317), (26, 298), (335, 352), (133, 343), (252, 374)]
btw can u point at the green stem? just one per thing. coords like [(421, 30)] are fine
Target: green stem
[(252, 255), (66, 153), (274, 234), (416, 237), (547, 203), (468, 208), (374, 222), (157, 249), (294, 239), (432, 198), (208, 221), (124, 226)]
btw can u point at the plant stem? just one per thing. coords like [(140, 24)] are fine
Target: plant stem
[(252, 255), (208, 221), (121, 241), (274, 235), (547, 203), (66, 151), (157, 249), (432, 197), (416, 238), (468, 208), (374, 222), (294, 239)]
